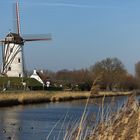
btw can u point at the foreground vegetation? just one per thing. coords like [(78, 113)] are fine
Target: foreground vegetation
[(122, 124)]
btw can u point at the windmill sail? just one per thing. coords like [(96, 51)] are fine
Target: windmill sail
[(37, 37), (17, 19)]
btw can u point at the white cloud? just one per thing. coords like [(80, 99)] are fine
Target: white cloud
[(59, 5), (68, 5), (72, 5)]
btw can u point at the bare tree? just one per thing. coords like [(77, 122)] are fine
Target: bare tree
[(111, 70)]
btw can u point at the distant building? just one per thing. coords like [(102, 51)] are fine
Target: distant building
[(41, 77)]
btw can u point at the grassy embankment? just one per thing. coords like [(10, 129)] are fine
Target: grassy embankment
[(11, 98), (16, 98)]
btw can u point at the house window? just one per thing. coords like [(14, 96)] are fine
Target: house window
[(9, 69), (19, 60)]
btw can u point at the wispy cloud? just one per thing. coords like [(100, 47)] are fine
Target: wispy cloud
[(62, 5), (32, 3), (68, 5)]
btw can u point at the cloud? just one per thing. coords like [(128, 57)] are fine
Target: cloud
[(71, 5), (68, 5), (59, 5)]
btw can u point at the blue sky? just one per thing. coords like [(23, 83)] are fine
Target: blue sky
[(83, 31)]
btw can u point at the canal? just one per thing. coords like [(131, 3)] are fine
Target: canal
[(50, 120)]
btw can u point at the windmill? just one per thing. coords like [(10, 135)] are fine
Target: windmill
[(12, 50)]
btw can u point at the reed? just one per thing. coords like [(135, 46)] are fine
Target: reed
[(124, 124), (109, 124)]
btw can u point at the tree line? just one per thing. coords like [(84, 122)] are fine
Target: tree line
[(111, 72)]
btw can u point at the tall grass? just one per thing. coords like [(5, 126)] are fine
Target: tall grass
[(80, 128), (105, 121)]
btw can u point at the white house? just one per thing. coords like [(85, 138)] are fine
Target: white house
[(41, 77), (37, 77)]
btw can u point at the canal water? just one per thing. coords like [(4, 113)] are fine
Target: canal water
[(50, 120)]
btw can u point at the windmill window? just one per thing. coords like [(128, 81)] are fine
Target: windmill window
[(9, 69), (11, 50), (19, 60)]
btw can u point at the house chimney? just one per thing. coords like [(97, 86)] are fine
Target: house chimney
[(34, 72)]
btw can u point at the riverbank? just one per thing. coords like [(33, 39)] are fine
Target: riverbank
[(31, 97)]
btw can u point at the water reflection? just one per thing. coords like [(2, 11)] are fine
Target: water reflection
[(34, 122)]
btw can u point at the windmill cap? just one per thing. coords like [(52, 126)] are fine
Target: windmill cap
[(14, 38)]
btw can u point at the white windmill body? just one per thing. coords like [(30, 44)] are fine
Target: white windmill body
[(13, 64)]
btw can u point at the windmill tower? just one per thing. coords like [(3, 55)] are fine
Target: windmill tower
[(12, 50)]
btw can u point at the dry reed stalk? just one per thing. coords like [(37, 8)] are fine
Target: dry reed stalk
[(62, 125), (47, 138), (85, 109), (102, 115), (67, 130), (72, 132)]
